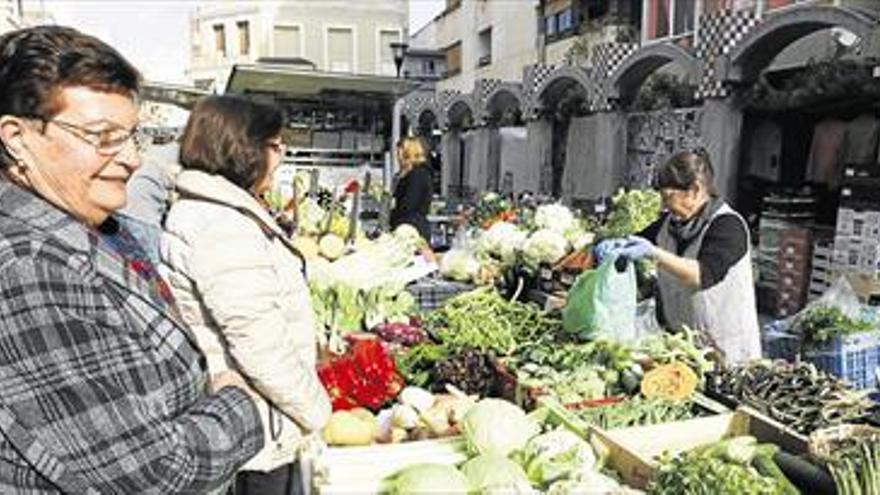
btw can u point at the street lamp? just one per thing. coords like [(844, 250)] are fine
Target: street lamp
[(398, 51)]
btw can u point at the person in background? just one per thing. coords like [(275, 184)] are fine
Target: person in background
[(103, 388), (149, 195), (239, 282), (413, 190), (702, 250)]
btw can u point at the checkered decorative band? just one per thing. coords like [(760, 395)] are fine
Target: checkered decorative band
[(720, 32)]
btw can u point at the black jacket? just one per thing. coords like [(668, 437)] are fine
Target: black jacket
[(412, 200)]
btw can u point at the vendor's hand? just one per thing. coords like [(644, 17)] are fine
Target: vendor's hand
[(636, 248), (607, 248)]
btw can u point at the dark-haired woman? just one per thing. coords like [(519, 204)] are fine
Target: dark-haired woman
[(702, 250), (239, 283)]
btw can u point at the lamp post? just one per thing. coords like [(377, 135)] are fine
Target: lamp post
[(398, 51)]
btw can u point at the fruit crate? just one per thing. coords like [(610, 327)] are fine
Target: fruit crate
[(853, 358)]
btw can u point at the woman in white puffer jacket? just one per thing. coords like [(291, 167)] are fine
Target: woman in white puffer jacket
[(239, 283)]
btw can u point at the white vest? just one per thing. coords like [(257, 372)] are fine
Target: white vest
[(726, 311)]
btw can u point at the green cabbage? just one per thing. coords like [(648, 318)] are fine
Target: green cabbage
[(427, 478), (495, 426), (491, 473), (557, 455)]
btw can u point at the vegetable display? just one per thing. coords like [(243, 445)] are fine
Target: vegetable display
[(484, 320), (857, 472), (495, 426), (738, 465), (469, 370), (674, 381), (820, 324), (492, 473), (366, 376), (636, 411), (798, 395), (631, 212), (576, 372), (428, 478)]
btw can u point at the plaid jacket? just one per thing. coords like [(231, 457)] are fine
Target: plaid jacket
[(101, 391)]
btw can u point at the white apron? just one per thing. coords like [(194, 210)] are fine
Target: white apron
[(726, 311)]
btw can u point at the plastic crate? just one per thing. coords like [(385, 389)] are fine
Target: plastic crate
[(853, 358), (780, 345), (431, 293)]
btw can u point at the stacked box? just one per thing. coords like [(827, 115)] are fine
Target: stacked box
[(857, 241), (793, 265), (821, 274)]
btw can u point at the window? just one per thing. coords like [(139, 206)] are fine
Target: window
[(220, 40), (485, 46), (453, 59), (430, 67), (244, 37), (287, 41), (550, 25), (386, 56), (669, 18), (564, 20), (340, 50)]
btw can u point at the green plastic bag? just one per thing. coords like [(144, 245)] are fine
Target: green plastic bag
[(602, 302)]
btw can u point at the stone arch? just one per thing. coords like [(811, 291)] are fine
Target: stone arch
[(460, 111), (551, 90), (506, 97), (758, 48), (624, 83)]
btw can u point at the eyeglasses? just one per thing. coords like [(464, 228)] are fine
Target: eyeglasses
[(107, 142)]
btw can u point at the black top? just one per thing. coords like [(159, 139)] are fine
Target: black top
[(724, 244), (412, 200)]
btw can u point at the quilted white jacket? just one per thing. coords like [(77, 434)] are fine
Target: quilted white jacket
[(242, 291)]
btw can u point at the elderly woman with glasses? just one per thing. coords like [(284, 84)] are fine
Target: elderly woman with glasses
[(102, 386), (702, 250), (241, 284)]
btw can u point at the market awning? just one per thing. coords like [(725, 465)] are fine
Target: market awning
[(298, 83)]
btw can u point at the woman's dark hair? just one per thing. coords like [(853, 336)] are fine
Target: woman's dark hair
[(685, 169), (226, 135), (37, 63)]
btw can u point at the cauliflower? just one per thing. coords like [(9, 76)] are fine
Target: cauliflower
[(502, 240), (459, 264), (331, 246), (555, 217), (545, 246), (408, 235)]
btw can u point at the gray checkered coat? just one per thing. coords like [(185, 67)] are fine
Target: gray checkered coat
[(100, 390)]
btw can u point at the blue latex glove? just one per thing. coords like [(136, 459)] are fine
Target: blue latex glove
[(607, 248), (635, 248)]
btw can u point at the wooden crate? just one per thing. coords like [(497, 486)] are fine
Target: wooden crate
[(633, 452)]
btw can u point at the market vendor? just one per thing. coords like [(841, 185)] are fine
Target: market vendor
[(702, 250), (414, 187)]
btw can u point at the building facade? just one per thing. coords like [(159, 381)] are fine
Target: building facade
[(308, 33), (483, 40), (697, 73)]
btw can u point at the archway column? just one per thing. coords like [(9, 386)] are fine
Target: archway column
[(539, 148), (721, 129), (450, 149)]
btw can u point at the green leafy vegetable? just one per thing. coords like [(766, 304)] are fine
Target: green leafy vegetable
[(495, 426)]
